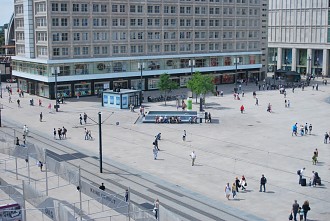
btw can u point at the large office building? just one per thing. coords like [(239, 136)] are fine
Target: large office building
[(88, 45), (299, 36)]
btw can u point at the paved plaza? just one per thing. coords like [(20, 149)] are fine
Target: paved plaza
[(253, 143)]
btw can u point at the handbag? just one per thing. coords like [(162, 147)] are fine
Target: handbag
[(290, 216)]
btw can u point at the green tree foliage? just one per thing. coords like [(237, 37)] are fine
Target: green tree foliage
[(200, 84), (166, 85)]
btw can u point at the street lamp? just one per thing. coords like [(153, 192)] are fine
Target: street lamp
[(56, 71), (141, 68), (317, 67), (1, 107), (236, 62), (192, 64), (274, 61), (1, 82)]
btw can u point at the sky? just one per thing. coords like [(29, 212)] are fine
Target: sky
[(6, 10)]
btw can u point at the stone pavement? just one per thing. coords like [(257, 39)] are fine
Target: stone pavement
[(253, 143)]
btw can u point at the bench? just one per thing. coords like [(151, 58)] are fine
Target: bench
[(184, 116)]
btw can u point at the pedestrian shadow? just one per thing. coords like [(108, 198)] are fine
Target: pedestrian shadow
[(319, 164), (246, 191), (269, 192), (198, 165), (237, 199), (159, 159)]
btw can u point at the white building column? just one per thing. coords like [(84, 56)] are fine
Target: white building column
[(279, 58), (309, 62), (325, 64), (294, 59)]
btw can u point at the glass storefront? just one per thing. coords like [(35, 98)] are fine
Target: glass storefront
[(136, 85), (64, 90), (99, 87), (82, 89)]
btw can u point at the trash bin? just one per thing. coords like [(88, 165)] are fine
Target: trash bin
[(189, 104)]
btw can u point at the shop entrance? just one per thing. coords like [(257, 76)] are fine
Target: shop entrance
[(134, 100), (120, 84), (32, 88)]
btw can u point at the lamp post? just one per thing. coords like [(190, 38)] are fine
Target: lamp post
[(236, 61), (100, 141), (1, 107), (317, 67), (1, 82), (55, 71), (274, 61), (141, 67), (192, 64)]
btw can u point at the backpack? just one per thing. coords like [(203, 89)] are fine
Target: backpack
[(298, 172)]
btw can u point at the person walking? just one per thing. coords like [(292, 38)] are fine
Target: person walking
[(257, 101), (40, 116), (86, 134), (155, 152), (80, 119), (18, 103), (294, 129), (294, 211), (85, 118), (193, 158), (156, 144), (301, 174), (227, 191), (54, 132), (316, 152), (310, 129), (184, 135), (326, 137), (243, 182), (156, 208), (263, 182), (306, 208), (9, 99), (314, 158), (306, 129), (40, 164), (237, 184), (288, 103), (234, 189), (242, 108)]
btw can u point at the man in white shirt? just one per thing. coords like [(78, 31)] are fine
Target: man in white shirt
[(193, 158), (301, 174)]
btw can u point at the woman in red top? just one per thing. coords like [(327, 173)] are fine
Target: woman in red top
[(242, 109)]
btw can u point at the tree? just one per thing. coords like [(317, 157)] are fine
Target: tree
[(200, 84), (166, 85)]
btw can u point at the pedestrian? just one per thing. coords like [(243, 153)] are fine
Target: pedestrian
[(184, 135), (301, 214), (40, 116), (40, 103), (310, 129), (156, 208), (284, 93), (227, 191), (233, 189), (285, 102), (242, 108), (316, 154), (269, 108), (18, 103), (306, 208), (85, 118), (209, 118), (314, 158), (50, 107), (301, 130), (24, 140), (80, 119), (90, 135), (193, 158), (301, 174), (221, 93), (288, 103), (102, 187), (86, 134), (126, 195), (155, 152), (306, 129), (263, 182), (9, 98), (237, 184), (64, 130), (317, 87), (294, 129), (54, 133), (326, 137), (155, 143), (257, 101), (243, 182), (40, 164), (59, 132), (17, 141), (206, 116), (294, 211)]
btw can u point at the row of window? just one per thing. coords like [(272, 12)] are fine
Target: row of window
[(117, 36), (151, 48), (121, 22), (150, 9)]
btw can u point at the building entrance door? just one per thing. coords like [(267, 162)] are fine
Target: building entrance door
[(134, 100)]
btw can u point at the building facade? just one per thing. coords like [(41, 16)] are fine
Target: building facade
[(129, 43), (299, 36)]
